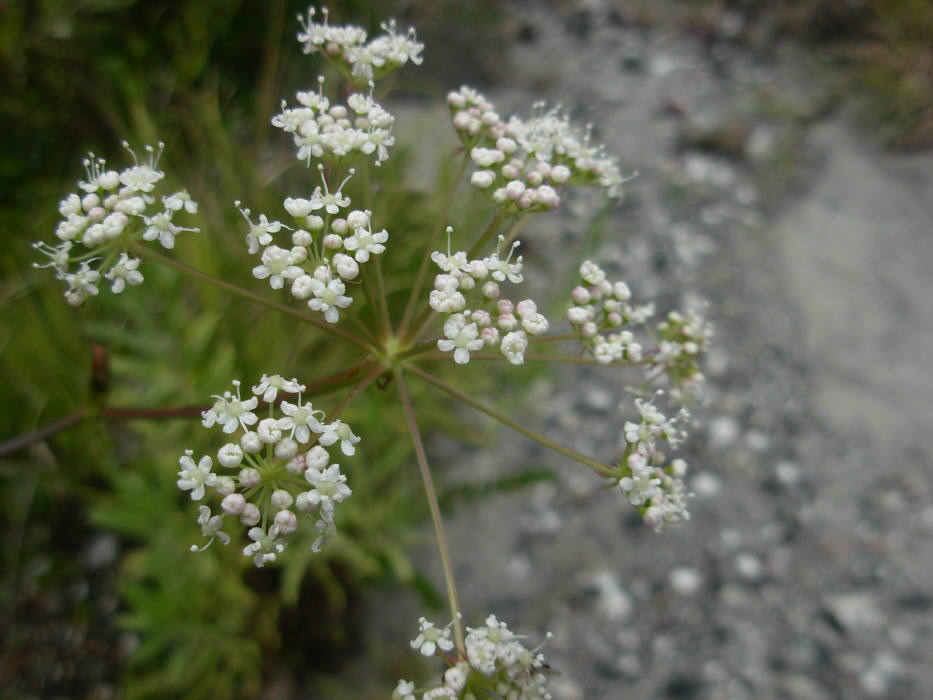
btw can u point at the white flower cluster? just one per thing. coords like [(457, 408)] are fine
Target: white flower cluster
[(657, 491), (111, 211), (683, 340), (523, 163), (497, 664), (337, 133), (346, 46), (270, 469), (469, 330), (326, 251), (599, 309)]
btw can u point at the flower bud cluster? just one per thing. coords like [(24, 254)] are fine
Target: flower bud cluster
[(522, 165), (490, 321), (599, 308), (346, 47), (111, 211), (683, 340), (497, 664), (655, 489), (327, 248), (336, 133), (276, 471)]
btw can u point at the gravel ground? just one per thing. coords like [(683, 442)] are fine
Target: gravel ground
[(805, 571)]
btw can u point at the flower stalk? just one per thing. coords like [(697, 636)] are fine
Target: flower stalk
[(435, 510)]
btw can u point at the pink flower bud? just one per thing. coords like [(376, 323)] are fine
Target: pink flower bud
[(286, 521), (249, 477), (525, 307), (233, 504), (250, 515), (580, 295), (514, 189)]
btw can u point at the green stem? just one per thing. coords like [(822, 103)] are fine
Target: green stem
[(553, 338), (435, 512), (422, 270), (419, 349), (423, 321), (383, 302), (105, 412), (487, 234), (598, 467), (251, 296), (356, 321), (370, 377), (519, 225), (371, 295), (337, 380)]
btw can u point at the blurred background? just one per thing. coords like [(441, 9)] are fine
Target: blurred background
[(785, 184)]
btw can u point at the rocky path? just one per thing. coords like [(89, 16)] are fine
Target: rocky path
[(807, 569)]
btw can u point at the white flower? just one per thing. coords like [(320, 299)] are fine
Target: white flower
[(486, 157), (501, 269), (124, 272), (229, 411), (268, 431), (326, 529), (59, 256), (180, 200), (482, 179), (332, 203), (230, 455), (513, 347), (210, 528), (138, 178), (346, 266), (535, 323), (317, 458), (481, 653), (264, 547), (160, 226), (455, 677), (302, 287), (450, 262), (81, 284), (328, 298), (259, 234), (405, 690), (298, 207), (330, 487), (591, 272), (462, 338), (269, 386), (365, 242), (338, 430), (278, 265), (300, 420), (447, 300), (194, 477), (431, 638)]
